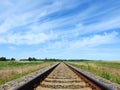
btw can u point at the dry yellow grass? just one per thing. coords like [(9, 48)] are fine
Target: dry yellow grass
[(9, 73)]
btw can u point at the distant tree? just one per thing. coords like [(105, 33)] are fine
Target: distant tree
[(34, 59), (46, 59), (12, 59), (29, 59), (3, 59)]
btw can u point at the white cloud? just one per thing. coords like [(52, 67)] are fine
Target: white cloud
[(17, 14), (87, 47), (12, 47), (28, 39), (86, 43), (21, 18), (96, 40), (101, 26)]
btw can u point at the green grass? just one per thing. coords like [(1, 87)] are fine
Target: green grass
[(17, 63), (107, 69)]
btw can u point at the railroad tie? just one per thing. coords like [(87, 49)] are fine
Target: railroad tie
[(63, 78)]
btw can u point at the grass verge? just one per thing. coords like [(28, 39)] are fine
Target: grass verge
[(107, 69), (12, 70)]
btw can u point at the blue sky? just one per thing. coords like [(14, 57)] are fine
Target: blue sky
[(66, 29)]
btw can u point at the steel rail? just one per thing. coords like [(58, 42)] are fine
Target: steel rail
[(30, 85), (99, 84)]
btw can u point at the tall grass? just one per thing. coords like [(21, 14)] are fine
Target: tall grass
[(104, 69), (13, 70)]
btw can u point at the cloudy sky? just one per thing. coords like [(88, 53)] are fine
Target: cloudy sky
[(88, 29)]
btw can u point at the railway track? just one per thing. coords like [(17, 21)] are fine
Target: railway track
[(63, 77)]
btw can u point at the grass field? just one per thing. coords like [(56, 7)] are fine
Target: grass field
[(106, 69), (12, 70)]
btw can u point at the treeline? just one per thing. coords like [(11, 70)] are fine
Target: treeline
[(46, 59), (35, 59), (79, 60), (29, 59), (13, 59), (5, 59)]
